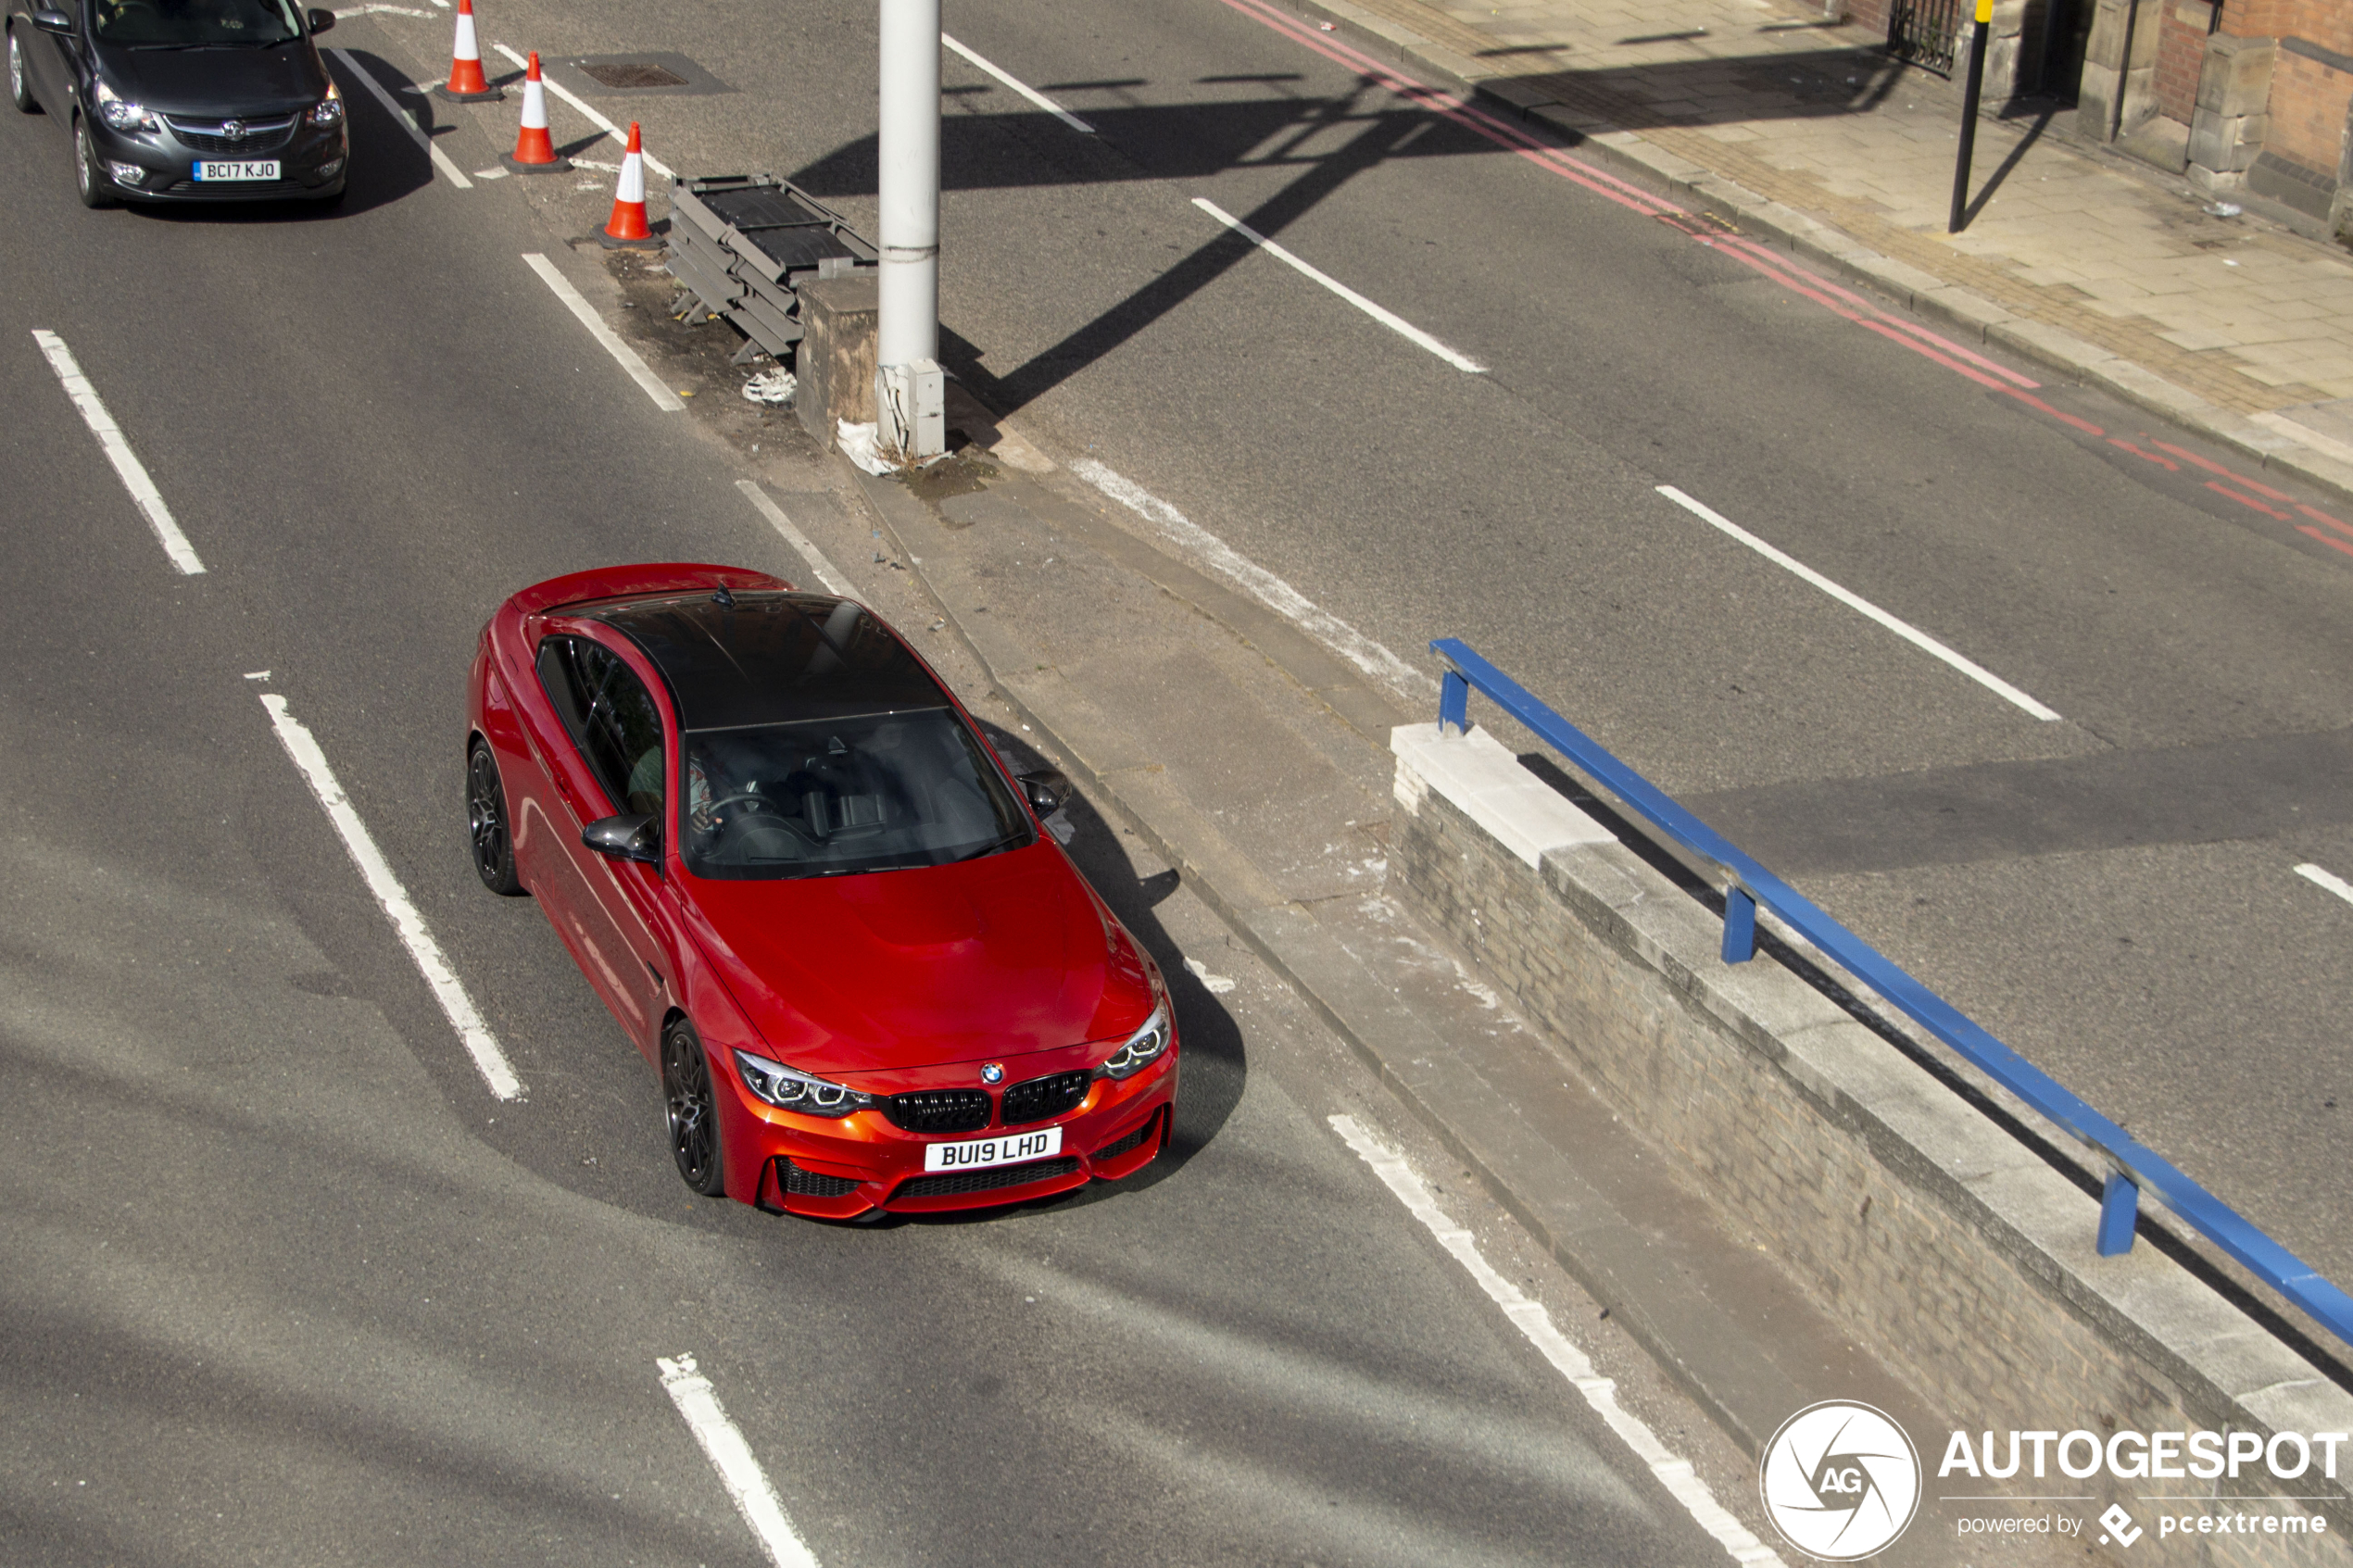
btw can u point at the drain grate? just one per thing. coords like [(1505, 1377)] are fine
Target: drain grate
[(632, 73)]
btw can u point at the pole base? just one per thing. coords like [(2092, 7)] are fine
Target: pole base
[(488, 95), (561, 166)]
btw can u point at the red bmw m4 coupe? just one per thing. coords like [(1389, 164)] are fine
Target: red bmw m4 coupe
[(813, 894)]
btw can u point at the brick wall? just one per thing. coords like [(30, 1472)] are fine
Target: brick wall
[(1896, 1205), (2309, 101), (2180, 53), (2328, 23)]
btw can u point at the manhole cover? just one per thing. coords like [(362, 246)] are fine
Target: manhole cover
[(632, 73)]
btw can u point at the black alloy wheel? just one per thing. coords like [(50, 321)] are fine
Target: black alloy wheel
[(19, 84), (692, 1109), (493, 847), (88, 183)]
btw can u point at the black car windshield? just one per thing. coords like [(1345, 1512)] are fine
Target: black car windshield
[(855, 793), (194, 23)]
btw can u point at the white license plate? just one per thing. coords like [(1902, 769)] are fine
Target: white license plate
[(1005, 1149), (256, 168)]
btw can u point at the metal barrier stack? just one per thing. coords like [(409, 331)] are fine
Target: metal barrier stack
[(2132, 1168), (744, 243)]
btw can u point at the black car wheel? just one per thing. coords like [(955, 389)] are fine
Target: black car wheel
[(19, 84), (88, 183), (493, 847), (693, 1109)]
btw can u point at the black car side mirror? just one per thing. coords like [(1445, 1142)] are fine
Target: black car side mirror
[(53, 21), (319, 20), (631, 835), (1047, 791)]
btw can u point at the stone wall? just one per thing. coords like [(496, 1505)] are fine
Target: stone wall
[(1959, 1256)]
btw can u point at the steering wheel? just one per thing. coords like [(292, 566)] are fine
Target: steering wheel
[(753, 796)]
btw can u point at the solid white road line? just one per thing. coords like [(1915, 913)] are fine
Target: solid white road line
[(731, 1456), (2334, 883), (127, 466), (442, 979), (620, 136), (400, 116), (1673, 1471), (834, 581), (1035, 96), (1903, 629), (1261, 584), (664, 399), (1386, 317)]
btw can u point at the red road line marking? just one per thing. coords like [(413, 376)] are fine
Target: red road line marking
[(2166, 463), (2332, 544), (2319, 516), (2086, 426), (1953, 365), (2212, 466), (2221, 489)]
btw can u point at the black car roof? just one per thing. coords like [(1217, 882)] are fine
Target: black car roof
[(769, 658)]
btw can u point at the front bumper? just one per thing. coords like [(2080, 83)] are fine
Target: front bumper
[(313, 161), (839, 1170)]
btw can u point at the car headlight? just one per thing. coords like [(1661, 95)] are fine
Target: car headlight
[(1139, 1050), (329, 110), (790, 1089), (121, 113)]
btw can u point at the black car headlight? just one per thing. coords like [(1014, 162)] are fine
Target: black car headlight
[(1139, 1050), (789, 1089), (121, 113), (329, 110)]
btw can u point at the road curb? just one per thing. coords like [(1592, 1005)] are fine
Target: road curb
[(2306, 457)]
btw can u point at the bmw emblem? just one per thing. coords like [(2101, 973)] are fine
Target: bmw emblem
[(992, 1072)]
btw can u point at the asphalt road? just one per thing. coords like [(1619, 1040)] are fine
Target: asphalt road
[(285, 1282)]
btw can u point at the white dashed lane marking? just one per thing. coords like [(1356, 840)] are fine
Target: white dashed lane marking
[(440, 978), (402, 118), (117, 447), (747, 1483), (626, 356)]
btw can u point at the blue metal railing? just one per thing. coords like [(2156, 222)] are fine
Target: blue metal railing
[(2132, 1168)]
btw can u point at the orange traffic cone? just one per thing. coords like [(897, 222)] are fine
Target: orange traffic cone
[(466, 84), (535, 153), (626, 229)]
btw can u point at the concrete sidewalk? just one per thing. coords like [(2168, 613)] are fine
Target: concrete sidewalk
[(1806, 134)]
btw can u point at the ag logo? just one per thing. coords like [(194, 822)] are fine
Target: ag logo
[(1841, 1481)]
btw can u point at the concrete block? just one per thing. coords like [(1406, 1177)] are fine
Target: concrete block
[(836, 359), (1487, 783), (2236, 78)]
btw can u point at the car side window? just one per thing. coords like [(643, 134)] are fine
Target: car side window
[(612, 718)]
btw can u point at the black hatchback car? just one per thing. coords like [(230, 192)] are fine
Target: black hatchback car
[(184, 100)]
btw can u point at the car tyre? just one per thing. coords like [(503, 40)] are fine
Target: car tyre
[(88, 183), (486, 825), (19, 80), (692, 1109)]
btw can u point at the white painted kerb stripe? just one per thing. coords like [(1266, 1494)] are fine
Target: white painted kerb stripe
[(1387, 318), (731, 1456), (626, 356), (1261, 584), (834, 581), (2333, 882), (400, 116), (599, 120), (442, 979), (127, 466), (1673, 1471), (1026, 91), (1903, 629)]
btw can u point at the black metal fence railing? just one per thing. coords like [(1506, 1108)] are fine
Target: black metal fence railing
[(1925, 32)]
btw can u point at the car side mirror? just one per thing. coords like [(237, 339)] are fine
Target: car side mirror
[(1047, 791), (53, 21), (631, 835), (319, 20)]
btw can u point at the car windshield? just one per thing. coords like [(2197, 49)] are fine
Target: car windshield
[(194, 23), (826, 796)]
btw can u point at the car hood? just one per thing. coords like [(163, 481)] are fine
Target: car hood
[(922, 968), (218, 83)]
